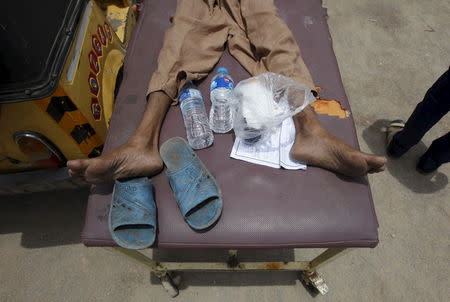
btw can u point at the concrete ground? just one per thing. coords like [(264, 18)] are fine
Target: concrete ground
[(389, 53)]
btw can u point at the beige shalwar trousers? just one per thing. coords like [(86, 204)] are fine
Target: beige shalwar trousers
[(200, 30)]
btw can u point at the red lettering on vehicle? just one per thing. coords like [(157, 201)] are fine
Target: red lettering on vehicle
[(97, 46), (96, 109), (93, 84), (101, 34), (93, 62)]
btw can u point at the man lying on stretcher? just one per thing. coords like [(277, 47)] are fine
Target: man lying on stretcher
[(259, 39)]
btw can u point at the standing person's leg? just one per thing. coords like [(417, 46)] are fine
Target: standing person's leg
[(273, 48), (436, 155), (433, 107), (191, 48)]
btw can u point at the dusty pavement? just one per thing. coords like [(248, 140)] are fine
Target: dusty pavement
[(389, 53)]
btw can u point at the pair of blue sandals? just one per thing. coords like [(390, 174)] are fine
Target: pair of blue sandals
[(132, 216)]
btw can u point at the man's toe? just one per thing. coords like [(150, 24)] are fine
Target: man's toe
[(77, 167), (376, 164), (377, 170)]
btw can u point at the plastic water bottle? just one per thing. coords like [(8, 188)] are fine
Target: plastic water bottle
[(198, 133), (221, 115)]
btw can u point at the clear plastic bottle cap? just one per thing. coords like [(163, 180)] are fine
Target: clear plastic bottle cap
[(222, 70)]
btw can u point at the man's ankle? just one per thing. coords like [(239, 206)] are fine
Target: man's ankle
[(143, 141)]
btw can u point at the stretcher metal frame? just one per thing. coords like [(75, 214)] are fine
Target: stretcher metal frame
[(326, 232), (166, 271)]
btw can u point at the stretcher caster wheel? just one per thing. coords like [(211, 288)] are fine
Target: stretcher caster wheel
[(169, 285), (313, 283)]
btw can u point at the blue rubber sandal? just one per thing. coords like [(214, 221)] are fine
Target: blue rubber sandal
[(196, 191), (132, 215)]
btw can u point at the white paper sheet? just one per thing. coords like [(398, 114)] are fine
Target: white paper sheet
[(273, 151)]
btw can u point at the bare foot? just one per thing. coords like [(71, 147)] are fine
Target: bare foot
[(317, 147), (138, 157), (125, 161)]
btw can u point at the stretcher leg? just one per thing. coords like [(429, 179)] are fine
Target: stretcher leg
[(325, 256), (311, 278), (165, 270)]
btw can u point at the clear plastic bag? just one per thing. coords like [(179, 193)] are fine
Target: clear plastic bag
[(263, 102)]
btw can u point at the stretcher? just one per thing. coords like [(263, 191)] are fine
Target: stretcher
[(263, 207)]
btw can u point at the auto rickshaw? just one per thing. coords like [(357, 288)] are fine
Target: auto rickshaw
[(60, 67)]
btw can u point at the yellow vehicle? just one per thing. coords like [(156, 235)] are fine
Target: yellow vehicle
[(60, 65)]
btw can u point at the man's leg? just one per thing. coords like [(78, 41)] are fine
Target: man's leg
[(262, 42), (275, 50), (191, 48), (433, 107), (139, 156)]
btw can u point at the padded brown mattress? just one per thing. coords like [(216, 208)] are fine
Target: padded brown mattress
[(263, 207)]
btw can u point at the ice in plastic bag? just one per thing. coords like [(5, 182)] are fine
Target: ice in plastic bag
[(263, 102)]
